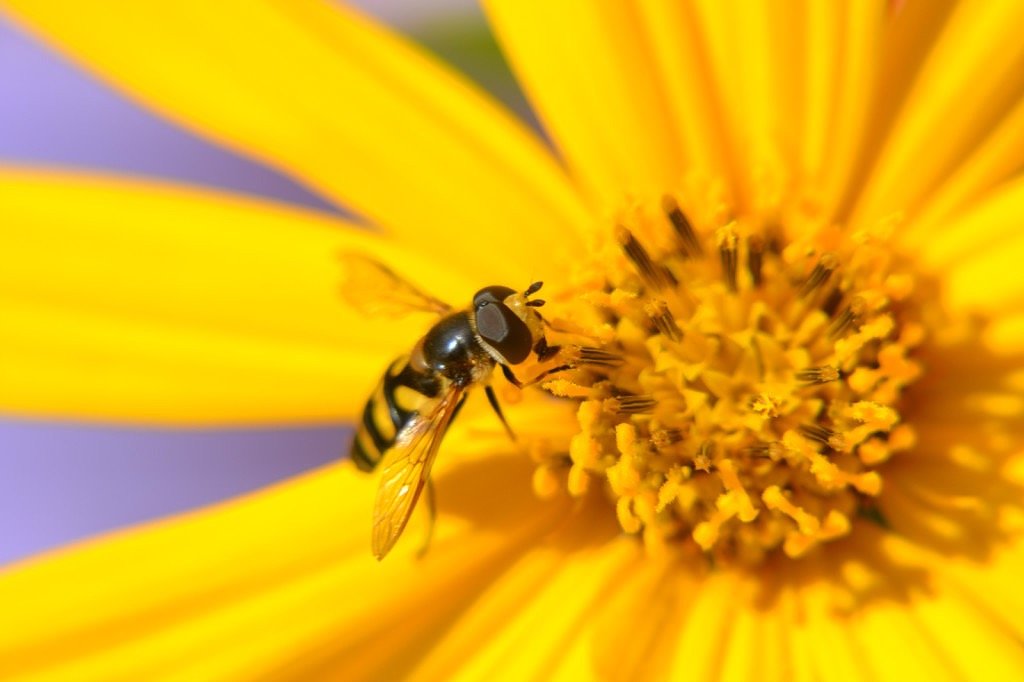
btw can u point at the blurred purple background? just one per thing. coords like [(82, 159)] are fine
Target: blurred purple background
[(61, 482)]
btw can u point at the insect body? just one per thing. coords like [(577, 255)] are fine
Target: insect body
[(409, 413)]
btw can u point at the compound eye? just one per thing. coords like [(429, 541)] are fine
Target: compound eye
[(492, 294), (504, 331)]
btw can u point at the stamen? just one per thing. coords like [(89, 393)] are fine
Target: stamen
[(563, 388), (774, 499), (689, 243), (630, 404), (545, 481), (663, 438), (832, 477), (533, 288), (728, 252), (536, 303), (663, 319), (848, 318), (578, 481), (707, 533), (766, 404), (670, 491), (821, 273), (745, 510), (653, 275), (773, 451), (818, 433), (596, 357), (818, 375), (702, 460), (628, 520)]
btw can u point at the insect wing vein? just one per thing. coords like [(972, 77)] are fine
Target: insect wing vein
[(406, 468), (374, 289)]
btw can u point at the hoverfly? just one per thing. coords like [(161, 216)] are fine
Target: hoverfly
[(408, 414)]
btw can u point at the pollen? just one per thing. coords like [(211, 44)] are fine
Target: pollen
[(737, 390)]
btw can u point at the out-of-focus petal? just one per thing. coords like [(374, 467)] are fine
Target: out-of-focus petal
[(995, 160), (985, 226), (537, 610), (974, 76), (757, 84), (839, 96), (706, 629), (282, 580), (963, 622), (678, 53), (591, 75), (976, 254), (149, 302), (343, 105), (989, 281)]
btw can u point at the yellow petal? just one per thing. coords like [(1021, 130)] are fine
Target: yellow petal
[(128, 300), (798, 638), (896, 648), (775, 645), (993, 587), (768, 44), (976, 254), (754, 55), (974, 642), (706, 631), (636, 631), (827, 641), (852, 90), (973, 601), (344, 106), (535, 611), (973, 76), (995, 160), (824, 36), (747, 653), (278, 583), (515, 587), (888, 57), (677, 48), (589, 73), (178, 569), (990, 281), (985, 226)]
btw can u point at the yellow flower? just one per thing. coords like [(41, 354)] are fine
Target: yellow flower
[(790, 230)]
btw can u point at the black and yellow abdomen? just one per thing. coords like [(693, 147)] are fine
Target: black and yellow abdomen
[(402, 393)]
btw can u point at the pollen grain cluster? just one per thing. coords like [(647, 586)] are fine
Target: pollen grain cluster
[(737, 388)]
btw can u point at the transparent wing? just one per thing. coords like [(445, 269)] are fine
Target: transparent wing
[(374, 289), (406, 468)]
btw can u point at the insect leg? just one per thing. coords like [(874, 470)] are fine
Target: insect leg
[(493, 399), (548, 372), (431, 517), (544, 351), (511, 377)]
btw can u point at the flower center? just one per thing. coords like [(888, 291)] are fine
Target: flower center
[(737, 388)]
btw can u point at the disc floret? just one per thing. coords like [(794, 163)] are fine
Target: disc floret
[(737, 388)]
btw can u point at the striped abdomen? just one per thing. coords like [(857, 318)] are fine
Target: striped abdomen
[(400, 396)]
